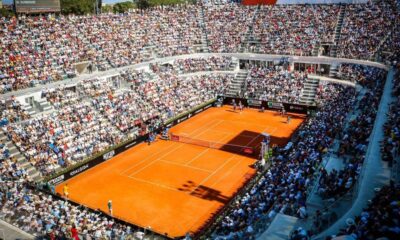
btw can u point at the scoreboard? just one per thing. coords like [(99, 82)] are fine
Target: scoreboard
[(37, 6)]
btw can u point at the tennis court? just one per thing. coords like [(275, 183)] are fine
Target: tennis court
[(174, 187)]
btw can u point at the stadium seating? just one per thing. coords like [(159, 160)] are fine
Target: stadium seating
[(379, 219), (97, 112), (294, 29), (270, 84), (45, 49), (361, 19)]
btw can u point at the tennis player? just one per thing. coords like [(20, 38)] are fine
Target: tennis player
[(65, 191), (109, 205)]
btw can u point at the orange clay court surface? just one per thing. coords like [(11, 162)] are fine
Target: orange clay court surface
[(174, 187)]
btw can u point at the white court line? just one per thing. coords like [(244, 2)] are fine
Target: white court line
[(206, 150), (264, 130), (274, 131), (198, 155), (155, 184), (226, 173), (173, 149), (151, 155), (187, 166), (212, 174), (245, 123), (144, 159), (219, 179), (232, 134)]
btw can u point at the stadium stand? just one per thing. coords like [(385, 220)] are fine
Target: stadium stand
[(379, 219), (294, 29), (360, 19), (44, 56), (278, 85), (98, 113)]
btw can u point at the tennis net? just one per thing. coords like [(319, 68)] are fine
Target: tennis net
[(215, 145)]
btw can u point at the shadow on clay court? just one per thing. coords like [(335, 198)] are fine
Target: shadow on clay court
[(253, 140), (203, 192)]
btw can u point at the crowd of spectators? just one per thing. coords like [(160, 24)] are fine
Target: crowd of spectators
[(380, 219), (275, 84), (61, 96), (283, 187), (226, 26), (9, 167), (96, 87), (366, 76), (365, 26), (391, 143), (64, 137), (390, 49), (355, 138), (294, 29), (190, 65), (41, 49), (48, 217), (11, 111), (97, 114)]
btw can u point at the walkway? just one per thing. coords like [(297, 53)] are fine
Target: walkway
[(375, 172), (249, 56), (9, 232)]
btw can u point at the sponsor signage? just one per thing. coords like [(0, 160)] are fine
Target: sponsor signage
[(253, 102), (57, 180), (289, 107), (275, 105), (79, 170), (248, 150), (37, 6), (108, 155)]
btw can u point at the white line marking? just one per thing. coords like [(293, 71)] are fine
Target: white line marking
[(151, 155), (186, 166), (155, 184), (212, 174), (168, 152), (198, 155)]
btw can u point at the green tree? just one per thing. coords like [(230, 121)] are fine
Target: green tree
[(142, 4), (122, 7), (78, 7), (107, 9), (6, 13)]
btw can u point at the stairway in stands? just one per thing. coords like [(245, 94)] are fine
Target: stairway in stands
[(234, 65), (43, 105), (338, 31), (315, 50), (309, 91), (28, 108), (19, 157), (248, 37), (237, 84), (204, 39)]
